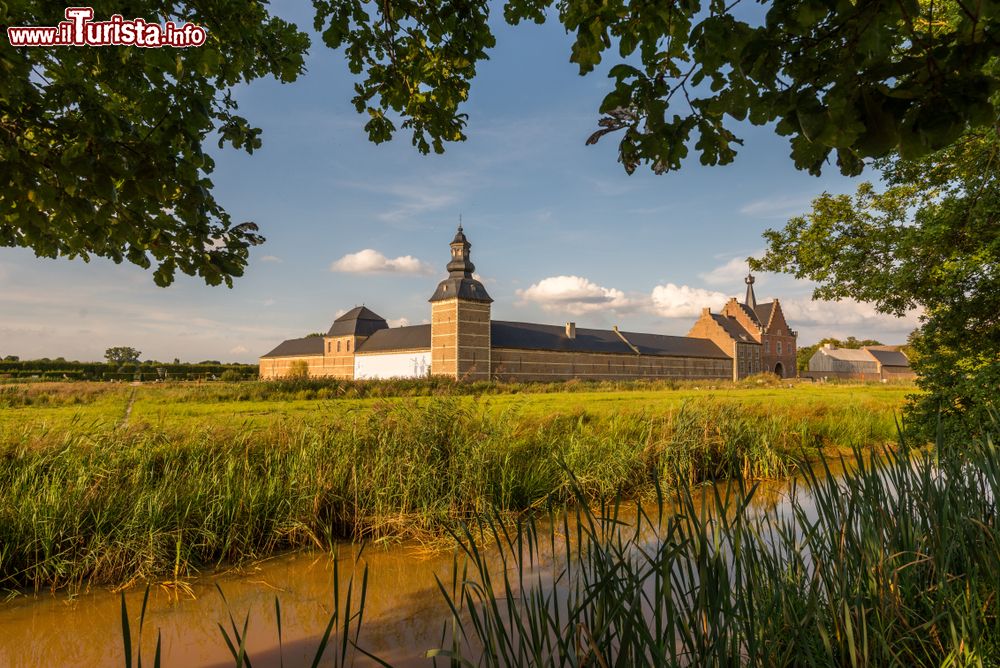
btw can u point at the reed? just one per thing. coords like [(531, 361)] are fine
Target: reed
[(338, 646), (896, 562), (110, 503)]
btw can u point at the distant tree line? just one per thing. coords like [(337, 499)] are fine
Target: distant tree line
[(61, 369)]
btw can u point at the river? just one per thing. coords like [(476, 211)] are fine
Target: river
[(403, 617)]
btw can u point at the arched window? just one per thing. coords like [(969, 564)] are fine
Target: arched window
[(348, 345), (338, 346)]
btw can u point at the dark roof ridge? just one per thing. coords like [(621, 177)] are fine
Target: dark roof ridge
[(407, 337), (307, 345)]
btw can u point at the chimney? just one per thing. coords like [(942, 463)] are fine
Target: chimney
[(570, 330)]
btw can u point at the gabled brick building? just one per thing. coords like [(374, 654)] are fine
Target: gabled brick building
[(757, 336), (463, 342)]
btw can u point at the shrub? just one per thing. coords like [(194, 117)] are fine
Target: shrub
[(298, 370)]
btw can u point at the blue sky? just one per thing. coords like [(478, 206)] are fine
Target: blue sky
[(559, 231)]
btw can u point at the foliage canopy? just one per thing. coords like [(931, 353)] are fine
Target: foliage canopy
[(930, 240), (102, 150), (122, 355), (856, 79)]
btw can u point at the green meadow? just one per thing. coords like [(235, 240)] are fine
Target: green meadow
[(108, 483), (62, 406)]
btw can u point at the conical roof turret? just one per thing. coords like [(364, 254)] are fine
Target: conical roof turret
[(460, 282)]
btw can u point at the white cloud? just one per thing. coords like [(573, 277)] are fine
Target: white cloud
[(239, 350), (270, 258), (370, 261), (415, 202), (730, 273), (785, 206), (682, 301), (399, 322), (410, 200), (575, 295), (845, 313)]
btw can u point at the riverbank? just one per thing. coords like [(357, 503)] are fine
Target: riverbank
[(90, 499)]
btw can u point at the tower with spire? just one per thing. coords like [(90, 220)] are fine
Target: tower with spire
[(751, 299), (460, 319)]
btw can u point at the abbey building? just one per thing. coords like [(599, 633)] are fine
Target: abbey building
[(463, 342)]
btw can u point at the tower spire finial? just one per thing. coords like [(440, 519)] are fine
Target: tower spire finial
[(459, 222), (751, 298)]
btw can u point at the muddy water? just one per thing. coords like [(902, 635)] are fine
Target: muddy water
[(404, 613)]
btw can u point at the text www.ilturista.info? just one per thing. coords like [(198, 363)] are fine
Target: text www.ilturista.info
[(80, 30)]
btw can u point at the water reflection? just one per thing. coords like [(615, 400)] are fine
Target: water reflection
[(404, 614)]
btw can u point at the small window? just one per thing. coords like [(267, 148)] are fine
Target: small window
[(348, 345), (338, 346), (767, 346), (779, 347), (329, 347)]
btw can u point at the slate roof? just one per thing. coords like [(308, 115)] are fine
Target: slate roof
[(763, 313), (733, 327), (532, 336), (462, 287), (359, 321), (888, 356), (524, 336), (398, 338), (310, 345)]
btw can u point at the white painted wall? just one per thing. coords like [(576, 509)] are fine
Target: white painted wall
[(413, 364)]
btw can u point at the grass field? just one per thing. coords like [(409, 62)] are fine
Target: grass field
[(112, 482), (61, 406)]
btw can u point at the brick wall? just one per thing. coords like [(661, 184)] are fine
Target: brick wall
[(334, 362), (515, 364), (278, 367), (460, 339)]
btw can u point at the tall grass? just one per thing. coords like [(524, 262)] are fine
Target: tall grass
[(894, 563), (50, 393), (105, 503)]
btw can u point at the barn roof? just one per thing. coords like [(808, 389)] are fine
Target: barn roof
[(888, 356), (310, 345), (848, 354), (533, 336)]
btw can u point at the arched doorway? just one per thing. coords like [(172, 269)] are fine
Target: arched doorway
[(779, 370)]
